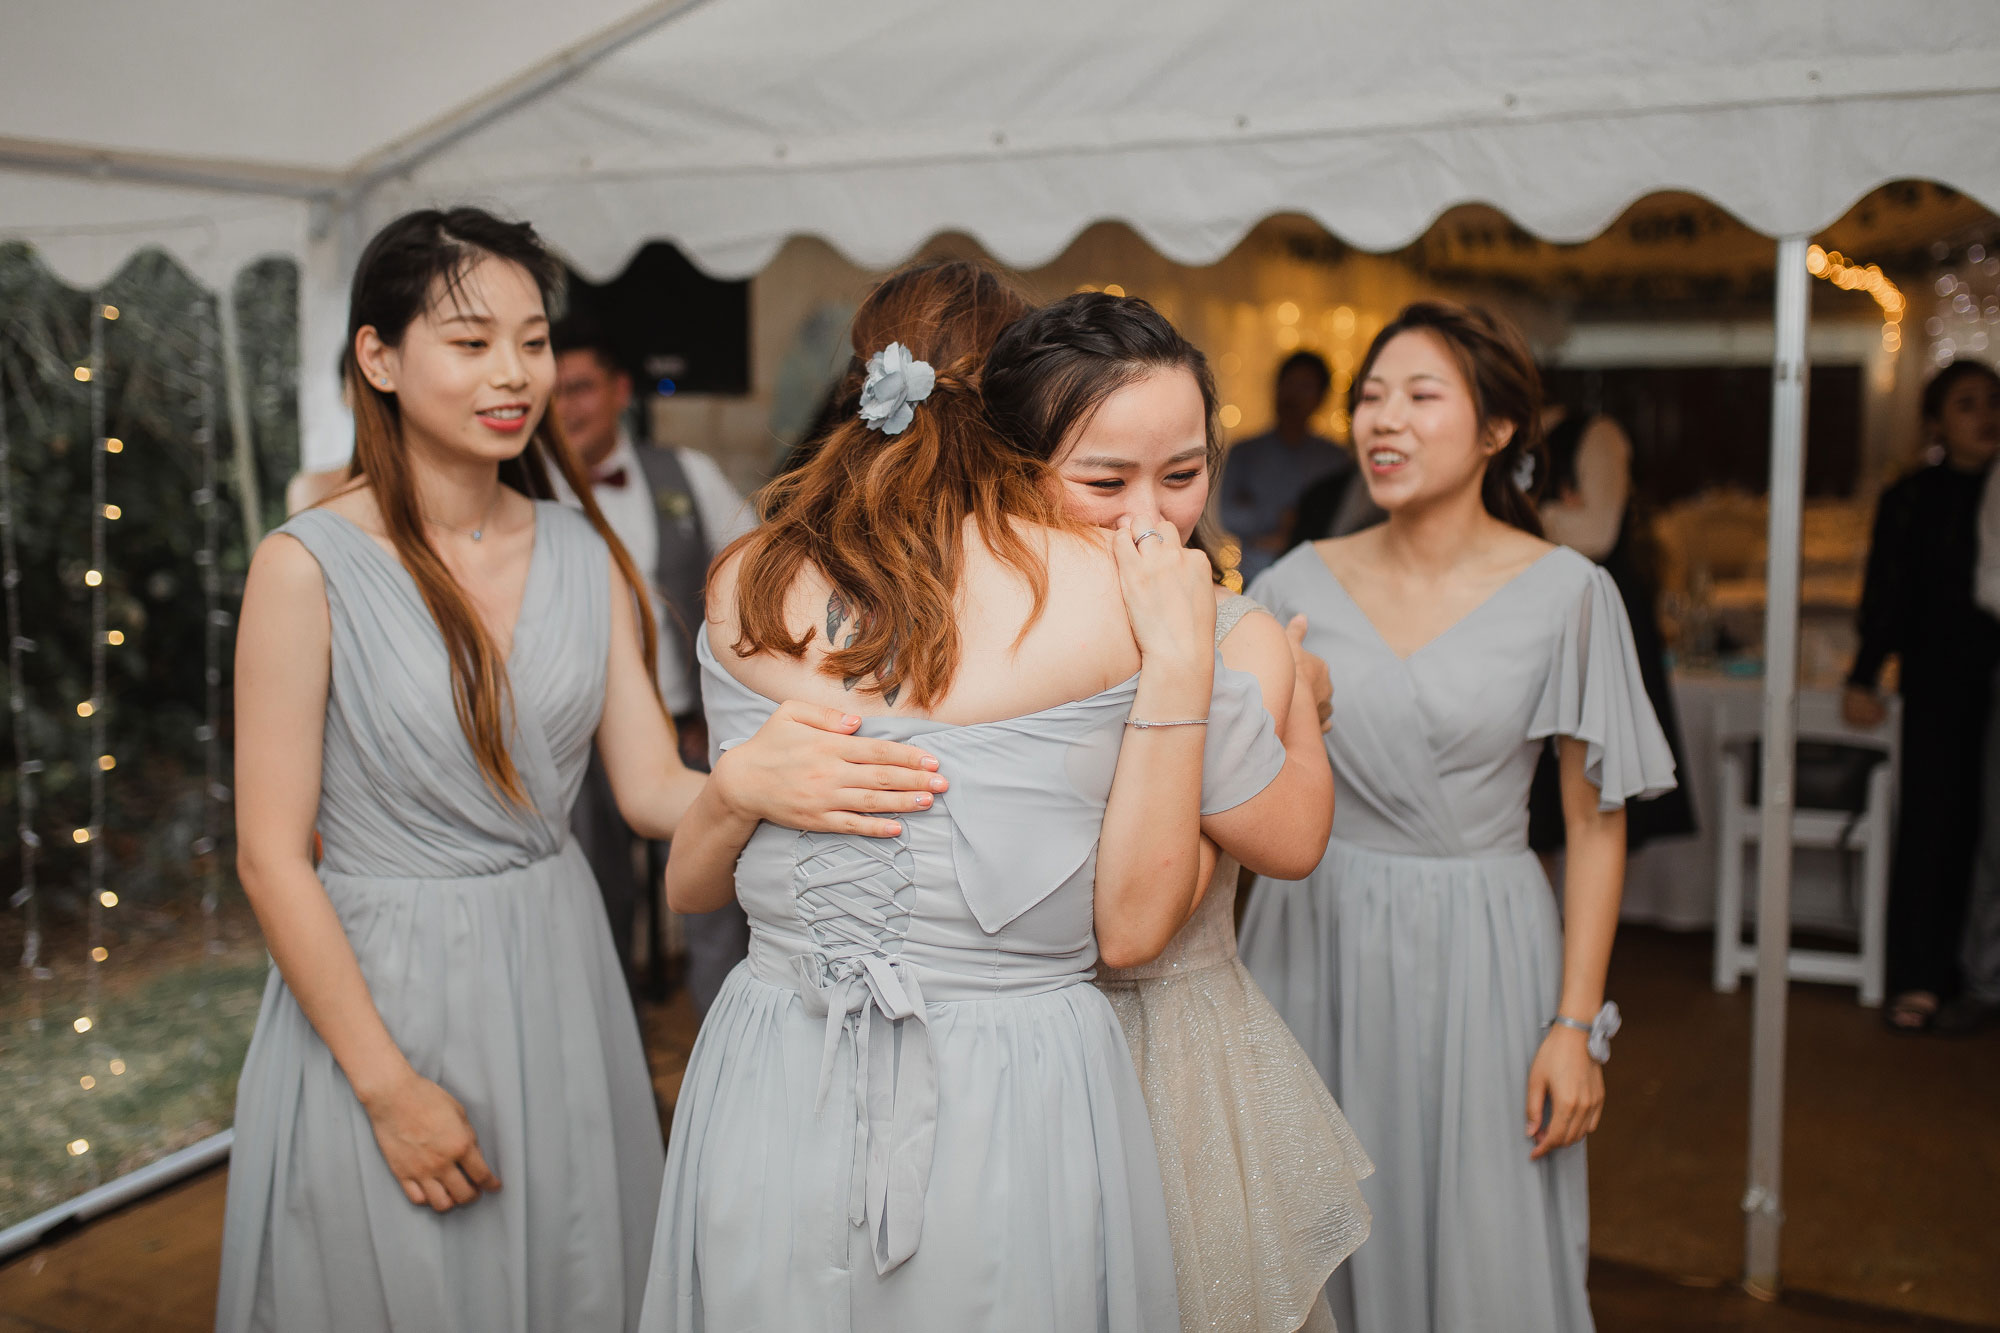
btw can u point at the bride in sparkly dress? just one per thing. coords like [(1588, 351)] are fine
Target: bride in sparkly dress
[(1261, 1172)]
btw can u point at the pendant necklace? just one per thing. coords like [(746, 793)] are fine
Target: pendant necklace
[(477, 533)]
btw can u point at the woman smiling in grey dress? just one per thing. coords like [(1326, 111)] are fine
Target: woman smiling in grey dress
[(1423, 965), (424, 663)]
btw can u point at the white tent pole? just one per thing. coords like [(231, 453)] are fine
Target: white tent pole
[(410, 151), (239, 419), (1762, 1201)]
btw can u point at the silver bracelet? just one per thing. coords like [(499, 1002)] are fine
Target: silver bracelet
[(1184, 722), (1600, 1030)]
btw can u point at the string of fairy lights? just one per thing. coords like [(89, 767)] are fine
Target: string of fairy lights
[(1848, 275), (215, 795), (99, 897)]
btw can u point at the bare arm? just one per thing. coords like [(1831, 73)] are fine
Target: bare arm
[(283, 669), (1149, 851), (1563, 1076), (1282, 831), (803, 769), (635, 738)]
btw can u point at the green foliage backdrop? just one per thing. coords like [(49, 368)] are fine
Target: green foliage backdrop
[(161, 994)]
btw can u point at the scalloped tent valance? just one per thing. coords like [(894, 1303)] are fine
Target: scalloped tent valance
[(226, 130)]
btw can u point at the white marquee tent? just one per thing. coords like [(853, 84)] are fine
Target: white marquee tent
[(227, 130)]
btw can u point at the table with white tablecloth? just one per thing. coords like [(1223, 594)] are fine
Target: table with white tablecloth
[(1671, 881)]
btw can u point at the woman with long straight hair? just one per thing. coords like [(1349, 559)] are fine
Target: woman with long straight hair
[(909, 1109), (1261, 1173), (423, 664), (1423, 965)]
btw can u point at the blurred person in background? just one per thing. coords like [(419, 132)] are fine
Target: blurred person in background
[(1264, 476), (1587, 506), (673, 509), (1917, 604), (1978, 1002)]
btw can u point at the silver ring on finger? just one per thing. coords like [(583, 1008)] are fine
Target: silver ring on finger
[(1149, 532)]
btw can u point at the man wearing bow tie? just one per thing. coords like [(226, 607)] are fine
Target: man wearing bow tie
[(673, 509)]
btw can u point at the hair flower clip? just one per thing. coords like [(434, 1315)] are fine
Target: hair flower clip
[(897, 382)]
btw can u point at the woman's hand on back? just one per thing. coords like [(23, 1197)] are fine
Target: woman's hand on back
[(1169, 592), (1312, 672), (804, 769)]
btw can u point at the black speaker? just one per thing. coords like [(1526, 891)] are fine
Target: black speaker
[(676, 329)]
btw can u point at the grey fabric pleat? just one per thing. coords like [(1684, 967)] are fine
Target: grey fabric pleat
[(484, 944), (1419, 962), (908, 1110)]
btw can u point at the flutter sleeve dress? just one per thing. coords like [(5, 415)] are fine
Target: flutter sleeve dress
[(909, 1109), (1420, 962), (1261, 1172), (482, 937)]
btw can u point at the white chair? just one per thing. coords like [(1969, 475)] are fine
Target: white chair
[(1739, 720)]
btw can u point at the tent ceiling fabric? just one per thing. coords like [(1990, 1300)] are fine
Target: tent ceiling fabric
[(744, 122), (736, 124), (304, 86)]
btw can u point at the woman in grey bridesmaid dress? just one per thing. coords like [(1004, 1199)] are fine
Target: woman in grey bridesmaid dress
[(1423, 965), (446, 1012), (909, 1109), (1261, 1172)]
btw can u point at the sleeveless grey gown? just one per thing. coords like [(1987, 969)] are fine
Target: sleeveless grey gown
[(908, 1109), (1418, 964), (483, 940)]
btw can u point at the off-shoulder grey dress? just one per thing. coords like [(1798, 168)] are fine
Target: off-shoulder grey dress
[(1420, 961), (908, 1109), (482, 937)]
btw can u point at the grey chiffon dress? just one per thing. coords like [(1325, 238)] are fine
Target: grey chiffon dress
[(909, 1109), (1420, 962), (1261, 1172), (482, 938)]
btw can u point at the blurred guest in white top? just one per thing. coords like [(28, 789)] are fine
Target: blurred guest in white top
[(1264, 476), (673, 509), (1586, 505)]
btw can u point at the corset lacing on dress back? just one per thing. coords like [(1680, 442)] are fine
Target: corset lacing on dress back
[(853, 898)]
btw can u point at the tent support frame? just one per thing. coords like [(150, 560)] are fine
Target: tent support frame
[(1762, 1199)]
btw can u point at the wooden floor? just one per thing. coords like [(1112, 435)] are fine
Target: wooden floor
[(1893, 1173), (152, 1269), (148, 1269)]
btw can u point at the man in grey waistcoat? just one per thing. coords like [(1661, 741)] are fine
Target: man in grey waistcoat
[(673, 509)]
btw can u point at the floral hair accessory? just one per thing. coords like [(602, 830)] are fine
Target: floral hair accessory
[(897, 382), (1524, 472)]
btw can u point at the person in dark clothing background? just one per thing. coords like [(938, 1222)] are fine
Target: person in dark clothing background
[(1917, 604), (1265, 476)]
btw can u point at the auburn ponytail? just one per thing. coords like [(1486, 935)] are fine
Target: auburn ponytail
[(882, 517)]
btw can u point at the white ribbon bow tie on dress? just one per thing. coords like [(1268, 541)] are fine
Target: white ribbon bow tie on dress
[(895, 1098)]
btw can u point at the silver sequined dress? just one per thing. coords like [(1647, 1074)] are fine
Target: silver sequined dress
[(1262, 1174)]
